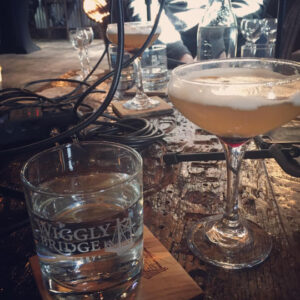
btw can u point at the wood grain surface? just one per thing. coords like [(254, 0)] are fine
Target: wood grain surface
[(192, 190), (175, 197)]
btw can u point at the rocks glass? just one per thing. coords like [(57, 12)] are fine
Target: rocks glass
[(86, 210)]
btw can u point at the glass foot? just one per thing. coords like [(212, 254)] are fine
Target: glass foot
[(141, 103), (249, 247), (79, 77), (92, 78)]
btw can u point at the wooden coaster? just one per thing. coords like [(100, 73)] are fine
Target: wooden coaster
[(162, 109), (163, 277)]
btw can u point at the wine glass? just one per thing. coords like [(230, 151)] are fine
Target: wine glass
[(269, 29), (135, 35), (235, 99), (251, 29), (81, 38)]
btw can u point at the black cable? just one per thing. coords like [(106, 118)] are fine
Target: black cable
[(101, 109), (98, 62), (137, 133), (139, 52), (14, 99), (93, 117), (79, 82)]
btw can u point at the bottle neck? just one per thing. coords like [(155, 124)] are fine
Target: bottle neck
[(219, 13), (223, 2)]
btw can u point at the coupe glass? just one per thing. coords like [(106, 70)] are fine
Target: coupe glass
[(235, 99), (136, 34), (81, 38), (251, 29)]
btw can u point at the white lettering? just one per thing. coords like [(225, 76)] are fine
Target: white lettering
[(51, 244), (92, 233), (55, 233), (82, 237), (45, 228), (83, 247), (44, 240), (104, 229), (69, 250), (65, 237), (95, 245), (60, 245)]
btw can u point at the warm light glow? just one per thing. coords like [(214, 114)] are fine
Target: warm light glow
[(96, 9)]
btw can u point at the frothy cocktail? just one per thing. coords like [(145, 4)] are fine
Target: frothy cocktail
[(135, 34), (235, 99), (235, 104)]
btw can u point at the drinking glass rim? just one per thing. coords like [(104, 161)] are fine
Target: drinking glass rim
[(134, 22), (142, 23), (259, 46), (275, 19), (53, 149), (277, 81)]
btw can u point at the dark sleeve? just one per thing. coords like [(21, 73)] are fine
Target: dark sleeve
[(249, 13), (177, 50), (174, 53)]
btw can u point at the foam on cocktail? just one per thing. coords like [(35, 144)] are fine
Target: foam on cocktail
[(132, 28), (243, 88), (236, 102), (135, 34)]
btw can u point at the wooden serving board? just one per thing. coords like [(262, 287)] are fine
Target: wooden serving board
[(162, 278)]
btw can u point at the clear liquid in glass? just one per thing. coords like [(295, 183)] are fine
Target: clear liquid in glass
[(104, 252)]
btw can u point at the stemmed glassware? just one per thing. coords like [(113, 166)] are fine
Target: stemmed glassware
[(235, 99), (81, 38), (135, 35), (251, 29), (127, 75), (269, 29)]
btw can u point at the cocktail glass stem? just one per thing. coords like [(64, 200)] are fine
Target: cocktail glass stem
[(141, 100), (229, 231), (139, 79), (228, 240), (84, 62), (88, 64), (234, 157)]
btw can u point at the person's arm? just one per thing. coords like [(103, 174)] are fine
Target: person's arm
[(139, 12), (249, 8), (178, 51)]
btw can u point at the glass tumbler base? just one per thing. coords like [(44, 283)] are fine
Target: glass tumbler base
[(126, 290), (141, 103), (245, 255)]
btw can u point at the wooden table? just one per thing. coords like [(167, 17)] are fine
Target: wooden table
[(191, 190), (175, 197)]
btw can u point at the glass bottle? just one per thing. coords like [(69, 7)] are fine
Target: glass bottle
[(217, 32)]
